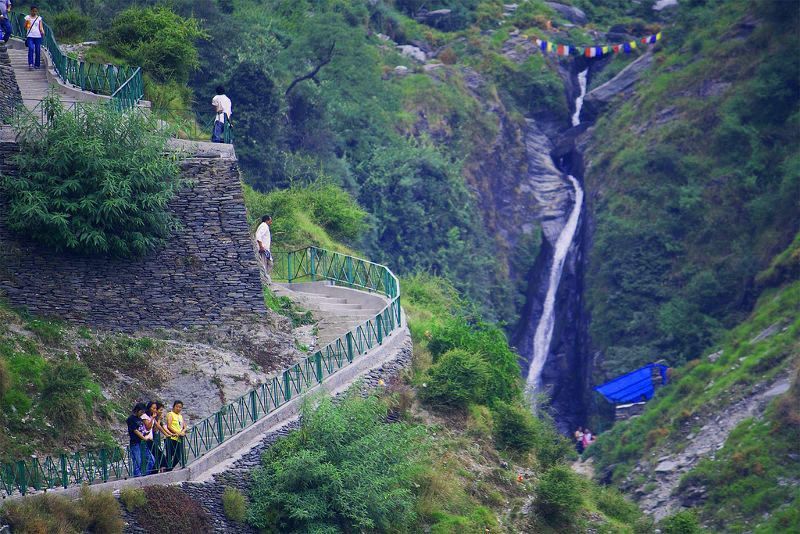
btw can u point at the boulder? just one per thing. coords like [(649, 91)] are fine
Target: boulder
[(401, 70), (667, 466), (572, 14), (664, 4), (621, 84), (413, 52)]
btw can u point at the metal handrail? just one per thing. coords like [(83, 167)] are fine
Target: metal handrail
[(124, 84), (184, 123), (310, 263)]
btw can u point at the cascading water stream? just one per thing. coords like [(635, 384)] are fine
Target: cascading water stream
[(544, 329)]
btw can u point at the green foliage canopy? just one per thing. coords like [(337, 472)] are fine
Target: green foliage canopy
[(94, 182), (156, 39), (345, 470)]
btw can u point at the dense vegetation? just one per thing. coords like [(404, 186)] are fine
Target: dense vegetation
[(700, 184), (93, 512), (94, 181)]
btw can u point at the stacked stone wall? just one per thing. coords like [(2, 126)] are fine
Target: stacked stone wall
[(206, 274)]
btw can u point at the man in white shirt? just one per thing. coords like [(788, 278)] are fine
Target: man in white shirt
[(222, 106), (264, 240)]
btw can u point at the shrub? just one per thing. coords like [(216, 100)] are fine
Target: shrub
[(95, 182), (488, 341), (185, 515), (559, 495), (514, 427), (102, 511), (479, 421), (346, 468), (684, 522), (92, 512), (448, 56), (234, 504), (64, 398), (613, 504), (457, 379), (156, 39), (132, 498), (70, 25)]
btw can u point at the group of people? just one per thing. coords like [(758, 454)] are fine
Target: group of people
[(583, 438), (146, 422)]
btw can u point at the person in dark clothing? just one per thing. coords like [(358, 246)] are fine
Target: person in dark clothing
[(140, 455)]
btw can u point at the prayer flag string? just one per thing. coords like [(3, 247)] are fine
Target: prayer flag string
[(548, 47)]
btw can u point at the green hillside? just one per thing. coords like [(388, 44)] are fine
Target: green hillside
[(697, 183)]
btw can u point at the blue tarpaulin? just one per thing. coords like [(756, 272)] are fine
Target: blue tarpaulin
[(635, 386)]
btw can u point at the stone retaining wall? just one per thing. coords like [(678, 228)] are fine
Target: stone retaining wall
[(10, 96)]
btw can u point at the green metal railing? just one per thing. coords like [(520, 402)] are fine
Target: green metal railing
[(122, 83), (308, 264), (182, 123)]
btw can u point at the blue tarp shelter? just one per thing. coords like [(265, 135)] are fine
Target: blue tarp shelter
[(633, 386)]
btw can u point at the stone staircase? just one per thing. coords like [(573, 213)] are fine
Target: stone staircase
[(33, 84), (337, 310)]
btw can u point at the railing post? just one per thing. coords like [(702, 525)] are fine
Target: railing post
[(104, 465), (349, 337), (349, 263), (289, 266), (311, 252), (254, 405), (287, 389), (220, 430), (22, 479), (64, 474), (318, 362), (380, 329)]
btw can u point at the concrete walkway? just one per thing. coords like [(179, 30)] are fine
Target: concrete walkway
[(337, 310)]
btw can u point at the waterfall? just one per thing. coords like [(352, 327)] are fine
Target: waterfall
[(544, 329), (576, 117)]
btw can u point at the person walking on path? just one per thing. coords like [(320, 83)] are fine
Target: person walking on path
[(34, 28), (5, 19), (264, 240), (177, 430), (137, 433), (222, 105), (579, 440)]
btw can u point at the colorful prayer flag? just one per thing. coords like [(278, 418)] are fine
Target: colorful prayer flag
[(598, 51), (658, 36), (616, 49), (627, 48)]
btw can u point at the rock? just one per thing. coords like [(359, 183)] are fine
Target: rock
[(767, 332), (429, 67), (572, 14), (413, 52), (667, 467), (432, 17), (401, 70), (664, 4), (622, 83), (715, 356), (383, 37)]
